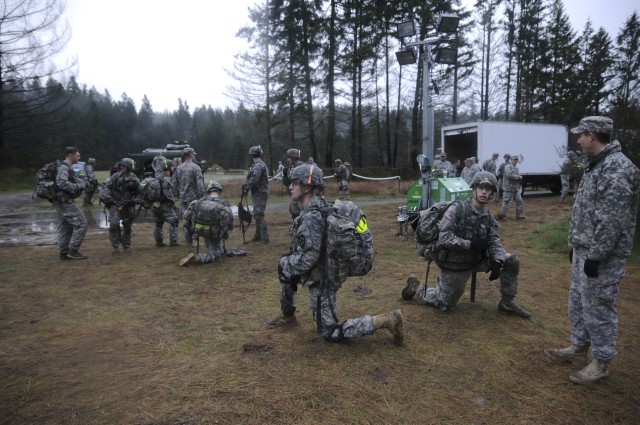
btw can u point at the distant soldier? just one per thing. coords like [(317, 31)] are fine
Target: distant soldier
[(499, 176), (163, 209), (73, 224), (279, 172), (342, 175), (293, 159), (490, 164), (469, 170), (90, 191), (565, 175), (210, 217), (512, 186), (444, 167), (158, 164), (310, 160), (187, 181), (121, 191), (258, 183), (476, 164)]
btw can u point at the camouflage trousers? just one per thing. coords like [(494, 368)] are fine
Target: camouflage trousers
[(592, 305), (166, 214), (215, 250), (259, 202), (118, 235), (509, 197), (343, 187), (72, 227), (564, 179), (330, 329), (451, 284)]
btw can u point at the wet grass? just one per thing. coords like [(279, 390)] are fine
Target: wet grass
[(135, 339)]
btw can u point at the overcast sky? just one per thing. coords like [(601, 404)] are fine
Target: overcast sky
[(170, 49)]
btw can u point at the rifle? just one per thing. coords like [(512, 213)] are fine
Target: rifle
[(244, 215)]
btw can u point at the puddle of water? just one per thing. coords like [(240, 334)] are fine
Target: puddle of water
[(41, 228)]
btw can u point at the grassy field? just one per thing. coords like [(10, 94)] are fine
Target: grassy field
[(135, 339)]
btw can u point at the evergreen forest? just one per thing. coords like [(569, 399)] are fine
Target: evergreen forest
[(322, 76)]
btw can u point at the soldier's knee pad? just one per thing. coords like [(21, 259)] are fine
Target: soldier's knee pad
[(512, 264)]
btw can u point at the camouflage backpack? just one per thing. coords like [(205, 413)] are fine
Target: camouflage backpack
[(349, 242), (46, 181), (150, 192), (212, 218), (428, 229)]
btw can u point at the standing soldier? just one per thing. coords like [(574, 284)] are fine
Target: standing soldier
[(258, 183), (469, 242), (490, 164), (293, 159), (158, 164), (279, 171), (500, 175), (468, 171), (93, 182), (163, 209), (119, 197), (73, 224), (512, 187), (601, 238), (565, 175), (444, 166), (304, 264), (212, 218), (187, 181), (341, 172)]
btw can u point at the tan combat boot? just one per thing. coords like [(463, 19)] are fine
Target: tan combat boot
[(392, 321), (573, 354), (508, 306), (593, 372), (410, 290), (283, 319), (190, 258)]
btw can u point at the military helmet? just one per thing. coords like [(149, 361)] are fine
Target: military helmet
[(485, 178), (293, 153), (214, 186), (129, 163), (338, 161), (506, 155), (91, 161), (308, 174), (255, 150)]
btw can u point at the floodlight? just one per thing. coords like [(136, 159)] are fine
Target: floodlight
[(406, 29), (407, 56), (446, 55), (447, 22)]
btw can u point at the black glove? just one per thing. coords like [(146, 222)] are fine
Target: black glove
[(281, 277), (591, 268), (495, 267), (479, 244), (571, 255)]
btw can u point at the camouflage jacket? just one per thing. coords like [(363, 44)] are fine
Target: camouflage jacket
[(121, 189), (91, 175), (341, 172), (500, 172), (167, 190), (467, 174), (460, 224), (258, 178), (307, 234), (565, 170), (490, 166), (604, 212), (511, 179), (188, 182), (67, 186)]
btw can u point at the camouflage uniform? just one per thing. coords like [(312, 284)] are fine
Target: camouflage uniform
[(457, 261), (120, 198), (467, 173), (93, 184), (165, 213), (443, 165), (215, 247), (500, 177), (258, 183), (304, 263), (490, 166), (158, 164), (602, 229), (188, 184), (294, 207), (512, 187), (565, 177), (73, 224), (342, 175)]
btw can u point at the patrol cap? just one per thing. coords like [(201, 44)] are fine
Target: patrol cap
[(469, 160), (515, 157), (189, 151), (442, 154), (496, 154), (594, 124), (338, 161)]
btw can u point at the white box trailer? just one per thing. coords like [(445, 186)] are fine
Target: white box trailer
[(541, 147)]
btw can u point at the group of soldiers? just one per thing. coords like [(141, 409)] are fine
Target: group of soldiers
[(600, 236)]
